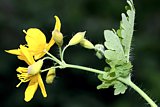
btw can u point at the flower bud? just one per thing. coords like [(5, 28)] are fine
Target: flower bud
[(35, 68), (77, 38), (87, 44), (50, 76), (58, 37), (100, 50)]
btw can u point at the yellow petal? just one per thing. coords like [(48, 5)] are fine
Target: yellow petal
[(58, 28), (36, 40), (27, 55), (24, 59), (42, 87), (22, 69), (31, 89), (50, 44), (57, 24), (40, 55), (13, 51)]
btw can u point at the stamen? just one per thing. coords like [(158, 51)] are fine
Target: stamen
[(18, 84), (24, 31)]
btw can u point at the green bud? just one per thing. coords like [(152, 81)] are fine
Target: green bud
[(50, 76), (58, 37), (77, 38), (87, 44), (35, 68)]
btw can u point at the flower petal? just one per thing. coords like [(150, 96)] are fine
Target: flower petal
[(58, 28), (13, 51), (42, 87), (36, 40), (24, 59), (50, 44), (31, 89), (57, 24), (26, 54), (22, 69), (40, 55)]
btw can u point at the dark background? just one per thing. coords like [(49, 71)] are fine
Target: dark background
[(76, 88)]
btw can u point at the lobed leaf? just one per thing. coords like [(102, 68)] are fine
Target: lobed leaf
[(125, 32), (114, 48), (117, 54), (120, 88)]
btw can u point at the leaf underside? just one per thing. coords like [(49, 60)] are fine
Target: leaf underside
[(117, 52)]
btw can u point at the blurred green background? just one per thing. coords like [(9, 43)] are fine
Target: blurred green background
[(76, 88)]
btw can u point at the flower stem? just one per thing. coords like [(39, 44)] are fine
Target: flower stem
[(54, 58), (47, 58), (62, 53), (128, 82), (84, 68), (54, 67)]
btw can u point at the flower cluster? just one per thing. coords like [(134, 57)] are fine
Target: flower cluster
[(33, 54)]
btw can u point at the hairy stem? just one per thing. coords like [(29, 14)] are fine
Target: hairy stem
[(128, 82)]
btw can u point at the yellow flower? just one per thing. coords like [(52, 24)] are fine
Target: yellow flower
[(33, 50), (34, 80), (36, 40)]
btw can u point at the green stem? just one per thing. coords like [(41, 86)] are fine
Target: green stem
[(128, 82), (64, 51), (54, 58), (83, 68), (47, 58), (60, 53), (44, 70)]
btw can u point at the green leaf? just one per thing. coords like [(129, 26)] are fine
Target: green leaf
[(120, 88), (123, 70), (117, 52), (126, 28), (114, 48), (112, 41), (105, 83), (118, 43)]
